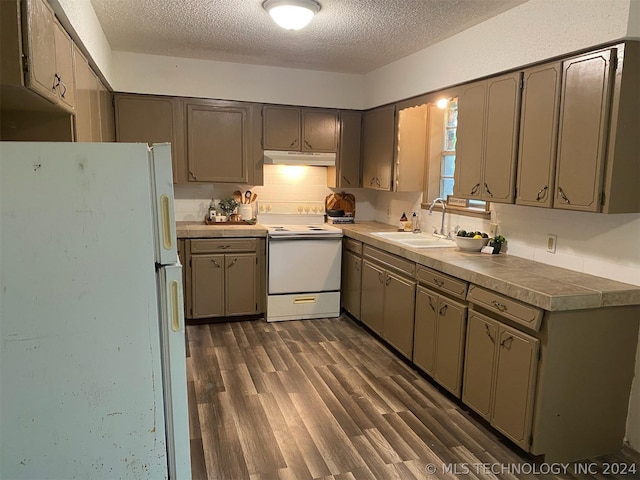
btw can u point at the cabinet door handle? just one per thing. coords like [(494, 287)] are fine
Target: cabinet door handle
[(64, 89), (500, 306), (438, 282), (433, 307), (215, 263), (488, 332), (377, 181), (193, 176), (56, 81), (475, 188), (356, 265), (381, 277), (233, 262), (509, 339), (541, 193), (562, 195), (308, 145), (373, 179), (443, 310), (346, 180), (388, 281), (295, 140), (486, 189)]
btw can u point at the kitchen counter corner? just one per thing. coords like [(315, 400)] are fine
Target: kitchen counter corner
[(200, 230)]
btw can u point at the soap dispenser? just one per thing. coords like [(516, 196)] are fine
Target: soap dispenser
[(402, 226)]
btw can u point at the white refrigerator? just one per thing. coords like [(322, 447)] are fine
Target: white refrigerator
[(92, 340)]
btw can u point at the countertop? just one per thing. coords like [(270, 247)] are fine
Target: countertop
[(544, 286), (200, 230)]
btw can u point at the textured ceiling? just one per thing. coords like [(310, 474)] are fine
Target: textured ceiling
[(349, 36)]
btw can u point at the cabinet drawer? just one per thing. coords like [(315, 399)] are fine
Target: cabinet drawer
[(522, 313), (390, 260), (441, 281), (224, 245), (352, 245)]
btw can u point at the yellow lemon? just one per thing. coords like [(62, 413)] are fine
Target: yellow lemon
[(477, 236)]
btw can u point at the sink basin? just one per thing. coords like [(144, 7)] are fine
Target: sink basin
[(415, 240)]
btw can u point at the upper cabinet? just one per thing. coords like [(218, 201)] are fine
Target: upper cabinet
[(378, 130), (153, 119), (299, 129), (538, 126), (87, 118), (222, 141), (487, 139), (49, 55), (346, 173), (411, 150), (598, 149)]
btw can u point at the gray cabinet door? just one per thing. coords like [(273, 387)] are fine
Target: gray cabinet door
[(240, 284), (424, 337), (450, 337), (378, 154), (479, 362), (347, 171), (41, 49), (584, 108), (470, 141), (501, 138), (87, 118), (351, 283), (281, 128), (217, 143), (514, 384), (371, 308), (207, 285), (65, 82), (538, 135), (399, 307), (319, 130)]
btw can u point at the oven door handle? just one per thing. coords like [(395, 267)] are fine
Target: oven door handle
[(304, 237)]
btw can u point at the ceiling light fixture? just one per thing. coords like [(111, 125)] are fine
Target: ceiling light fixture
[(291, 14)]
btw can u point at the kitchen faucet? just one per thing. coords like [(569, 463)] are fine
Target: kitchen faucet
[(444, 209)]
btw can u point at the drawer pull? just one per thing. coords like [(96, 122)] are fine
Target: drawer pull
[(488, 332), (304, 300), (433, 307), (224, 246), (438, 282), (509, 339), (500, 306), (443, 310)]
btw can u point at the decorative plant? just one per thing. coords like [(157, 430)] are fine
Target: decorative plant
[(496, 242), (227, 205), (498, 239)]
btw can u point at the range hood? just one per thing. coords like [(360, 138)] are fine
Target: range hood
[(276, 157)]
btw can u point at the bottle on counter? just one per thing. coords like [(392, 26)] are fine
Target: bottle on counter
[(212, 211), (402, 226), (415, 223)]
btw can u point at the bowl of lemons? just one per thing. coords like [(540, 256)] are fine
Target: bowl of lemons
[(471, 241)]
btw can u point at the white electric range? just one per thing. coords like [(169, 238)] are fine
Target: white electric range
[(303, 261)]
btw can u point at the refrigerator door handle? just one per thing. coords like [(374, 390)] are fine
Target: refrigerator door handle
[(166, 219), (174, 299)]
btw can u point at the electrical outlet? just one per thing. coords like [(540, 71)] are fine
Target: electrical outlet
[(388, 211), (493, 229), (551, 243)]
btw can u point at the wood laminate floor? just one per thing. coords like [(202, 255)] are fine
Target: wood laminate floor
[(323, 399)]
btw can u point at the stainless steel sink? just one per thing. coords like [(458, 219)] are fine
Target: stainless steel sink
[(415, 240)]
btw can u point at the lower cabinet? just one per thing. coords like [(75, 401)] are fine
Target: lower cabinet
[(439, 336), (351, 287), (500, 376), (388, 298), (224, 277)]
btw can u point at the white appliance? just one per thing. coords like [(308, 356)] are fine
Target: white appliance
[(303, 262), (92, 350), (318, 159)]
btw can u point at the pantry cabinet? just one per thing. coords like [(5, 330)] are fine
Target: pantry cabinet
[(378, 144), (487, 139), (351, 286), (388, 298), (538, 127), (346, 173), (299, 129), (224, 277), (499, 376), (152, 119)]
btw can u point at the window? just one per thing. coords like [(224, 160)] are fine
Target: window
[(448, 156)]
